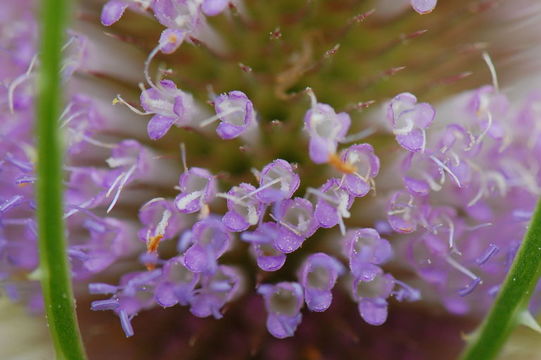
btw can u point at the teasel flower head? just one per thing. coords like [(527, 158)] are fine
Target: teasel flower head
[(340, 157)]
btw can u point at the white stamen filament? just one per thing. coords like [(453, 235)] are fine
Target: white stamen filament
[(98, 143), (218, 116), (341, 225), (434, 186), (234, 199), (162, 225), (147, 66), (261, 188), (78, 208), (479, 194), (313, 100), (71, 117), (342, 179), (492, 69), (322, 195), (342, 206), (482, 186), (66, 110), (18, 81), (150, 202), (68, 43), (286, 225), (121, 185), (129, 106), (113, 185), (479, 226), (461, 268), (183, 157), (446, 169), (184, 201), (451, 228), (359, 136), (115, 162), (398, 211), (485, 131)]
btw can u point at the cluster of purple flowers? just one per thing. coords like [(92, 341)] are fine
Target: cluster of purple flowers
[(18, 230), (268, 217), (275, 224), (468, 191), (461, 191)]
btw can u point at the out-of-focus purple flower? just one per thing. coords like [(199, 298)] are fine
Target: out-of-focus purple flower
[(170, 106), (333, 204), (326, 129), (318, 275), (283, 302), (216, 290), (409, 120), (365, 163), (263, 243), (453, 193), (197, 190), (296, 222), (210, 239), (371, 294), (244, 210), (277, 181), (365, 249), (177, 283), (236, 114)]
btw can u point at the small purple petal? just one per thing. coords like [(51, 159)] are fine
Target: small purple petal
[(170, 40), (282, 327), (112, 11), (158, 126), (213, 7), (424, 6), (373, 311)]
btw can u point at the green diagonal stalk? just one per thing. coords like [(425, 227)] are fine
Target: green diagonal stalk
[(54, 266), (513, 298)]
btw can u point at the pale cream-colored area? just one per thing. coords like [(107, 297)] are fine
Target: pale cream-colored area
[(524, 344), (23, 336)]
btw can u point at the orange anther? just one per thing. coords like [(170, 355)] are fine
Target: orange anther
[(341, 166), (152, 246), (153, 242)]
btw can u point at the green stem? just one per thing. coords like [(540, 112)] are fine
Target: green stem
[(512, 299), (54, 265)]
